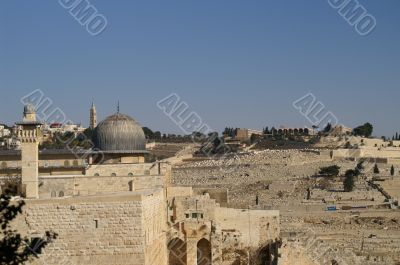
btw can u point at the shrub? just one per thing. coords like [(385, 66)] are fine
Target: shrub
[(330, 171)]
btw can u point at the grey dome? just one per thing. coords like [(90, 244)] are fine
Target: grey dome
[(119, 132)]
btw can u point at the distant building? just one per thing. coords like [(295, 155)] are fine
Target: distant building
[(245, 134), (4, 132), (292, 131)]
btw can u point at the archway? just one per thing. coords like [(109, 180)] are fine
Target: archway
[(177, 252), (204, 252), (268, 255)]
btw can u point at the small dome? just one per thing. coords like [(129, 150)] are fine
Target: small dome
[(29, 109), (119, 132)]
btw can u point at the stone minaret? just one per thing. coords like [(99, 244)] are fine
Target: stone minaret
[(93, 116), (29, 134)]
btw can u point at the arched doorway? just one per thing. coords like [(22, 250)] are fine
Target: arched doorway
[(268, 255), (177, 252), (204, 252)]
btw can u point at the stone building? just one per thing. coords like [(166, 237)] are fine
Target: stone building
[(108, 206), (245, 134)]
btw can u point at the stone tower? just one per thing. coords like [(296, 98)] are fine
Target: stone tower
[(29, 134), (93, 116)]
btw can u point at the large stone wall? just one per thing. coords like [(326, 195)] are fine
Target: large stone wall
[(99, 230), (126, 169), (59, 186)]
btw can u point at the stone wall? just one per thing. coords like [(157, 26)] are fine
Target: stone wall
[(256, 227), (123, 229), (373, 152), (59, 186), (154, 225), (220, 195)]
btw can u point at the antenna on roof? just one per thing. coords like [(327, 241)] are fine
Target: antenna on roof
[(118, 107)]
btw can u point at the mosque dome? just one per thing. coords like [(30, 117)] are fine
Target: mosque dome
[(119, 132)]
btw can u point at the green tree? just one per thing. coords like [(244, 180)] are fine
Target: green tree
[(348, 182), (157, 135), (148, 133), (14, 248), (254, 138), (328, 128), (376, 169), (392, 171), (364, 130)]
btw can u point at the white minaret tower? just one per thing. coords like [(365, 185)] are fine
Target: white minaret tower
[(93, 116), (29, 134)]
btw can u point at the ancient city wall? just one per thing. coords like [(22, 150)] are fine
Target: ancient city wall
[(59, 186), (92, 230), (125, 169)]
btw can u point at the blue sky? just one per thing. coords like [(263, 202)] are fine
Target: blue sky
[(236, 63)]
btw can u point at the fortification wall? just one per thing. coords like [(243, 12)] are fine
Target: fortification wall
[(59, 186), (91, 230)]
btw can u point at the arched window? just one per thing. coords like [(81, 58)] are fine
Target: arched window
[(3, 164), (53, 194), (66, 163), (130, 174), (61, 194), (75, 163), (113, 175), (96, 174)]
